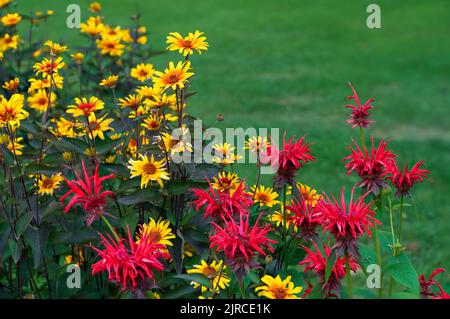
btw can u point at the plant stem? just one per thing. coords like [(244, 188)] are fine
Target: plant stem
[(116, 236), (241, 287), (361, 137), (349, 278), (378, 250), (400, 226), (284, 224)]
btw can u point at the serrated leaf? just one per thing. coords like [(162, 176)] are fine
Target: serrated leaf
[(35, 168), (141, 196), (402, 271), (37, 239), (198, 278)]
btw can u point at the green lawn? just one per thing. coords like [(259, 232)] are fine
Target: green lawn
[(286, 64)]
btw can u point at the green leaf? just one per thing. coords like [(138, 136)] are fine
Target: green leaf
[(402, 271), (368, 255), (37, 239), (183, 187), (15, 249), (404, 295), (23, 222), (106, 145), (198, 278), (330, 264), (141, 196), (180, 292), (35, 168)]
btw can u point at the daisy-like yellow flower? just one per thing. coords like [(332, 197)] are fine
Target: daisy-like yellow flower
[(48, 67), (4, 3), (149, 169), (15, 146), (83, 107), (309, 194), (110, 81), (55, 48), (40, 84), (226, 181), (257, 144), (95, 7), (9, 42), (133, 101), (173, 76), (11, 19), (93, 26), (278, 219), (78, 57), (39, 101), (175, 145), (11, 85), (91, 152), (65, 128), (110, 159), (36, 54), (276, 288), (110, 45), (48, 184), (148, 92), (158, 232), (98, 126), (12, 111), (187, 45), (142, 72), (215, 272), (117, 32), (142, 40), (265, 196), (224, 154), (67, 156), (152, 123), (161, 101)]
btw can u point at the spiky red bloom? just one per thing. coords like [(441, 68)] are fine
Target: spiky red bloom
[(239, 242), (129, 263), (425, 286), (405, 180), (88, 193), (346, 222), (370, 167), (305, 217), (317, 263), (220, 204), (360, 113), (290, 159)]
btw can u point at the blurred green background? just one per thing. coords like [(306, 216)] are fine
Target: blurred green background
[(286, 64)]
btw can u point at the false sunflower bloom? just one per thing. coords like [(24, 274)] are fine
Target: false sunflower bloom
[(98, 126), (158, 232), (65, 128), (78, 57), (93, 26), (225, 154), (215, 272), (49, 67), (9, 42), (173, 76), (95, 7), (175, 145), (12, 111), (257, 144), (40, 100), (15, 147), (110, 81), (225, 182), (148, 92), (55, 48), (149, 169), (308, 193), (11, 19), (48, 184), (110, 45), (276, 288), (265, 196), (142, 72), (133, 101), (152, 123), (187, 45), (83, 107)]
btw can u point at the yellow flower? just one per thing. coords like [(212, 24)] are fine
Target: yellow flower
[(173, 76), (275, 288), (110, 45), (309, 194), (93, 26), (37, 53), (14, 147), (48, 184), (39, 100), (110, 81), (9, 42), (55, 48), (78, 58), (148, 92), (152, 123), (110, 159), (65, 128), (133, 101), (67, 156), (215, 272), (149, 169), (50, 12), (157, 232), (83, 107), (98, 126), (225, 154), (226, 182), (11, 19), (142, 72), (257, 144), (265, 196), (49, 81), (175, 145), (278, 219), (95, 7), (91, 152), (4, 3), (142, 39), (48, 67), (11, 85), (187, 45), (12, 111), (161, 101), (1, 56)]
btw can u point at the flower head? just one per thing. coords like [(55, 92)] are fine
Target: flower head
[(110, 81), (78, 57), (149, 169), (40, 100), (224, 154), (360, 113), (55, 48), (98, 126), (405, 179), (265, 196), (11, 85), (142, 72), (9, 41), (129, 263), (12, 111), (425, 286), (215, 272), (88, 192), (276, 288), (49, 67), (370, 166), (226, 182), (308, 194), (110, 45), (11, 19), (48, 184), (187, 45), (83, 107), (95, 7), (173, 76), (305, 216), (257, 144), (157, 231)]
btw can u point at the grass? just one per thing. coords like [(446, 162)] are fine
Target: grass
[(286, 64)]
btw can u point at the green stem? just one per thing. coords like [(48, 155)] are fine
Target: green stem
[(284, 223), (391, 218), (241, 287), (116, 236), (361, 137), (349, 278), (378, 250), (400, 226)]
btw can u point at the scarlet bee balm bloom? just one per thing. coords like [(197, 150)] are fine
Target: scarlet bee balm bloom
[(405, 180), (360, 112)]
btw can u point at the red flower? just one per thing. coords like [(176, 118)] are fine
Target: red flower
[(239, 242), (290, 159), (129, 264), (370, 167), (306, 217), (317, 263), (346, 222), (360, 113), (425, 286), (405, 180), (88, 193), (222, 204)]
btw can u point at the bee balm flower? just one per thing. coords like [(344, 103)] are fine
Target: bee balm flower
[(404, 180), (360, 113)]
